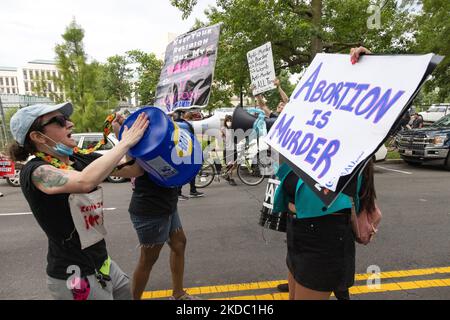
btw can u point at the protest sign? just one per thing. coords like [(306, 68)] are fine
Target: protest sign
[(188, 70), (339, 114), (262, 70), (6, 168)]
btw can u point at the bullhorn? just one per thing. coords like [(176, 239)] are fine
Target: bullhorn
[(207, 125), (244, 120)]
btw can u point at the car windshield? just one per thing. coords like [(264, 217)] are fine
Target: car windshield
[(442, 122), (436, 109)]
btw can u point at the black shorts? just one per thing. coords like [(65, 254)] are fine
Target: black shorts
[(321, 252)]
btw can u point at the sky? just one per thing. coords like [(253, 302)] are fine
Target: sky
[(30, 29)]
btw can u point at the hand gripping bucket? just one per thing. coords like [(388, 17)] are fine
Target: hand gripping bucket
[(171, 155)]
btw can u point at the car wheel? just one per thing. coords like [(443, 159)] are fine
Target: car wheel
[(114, 179), (447, 162), (14, 181)]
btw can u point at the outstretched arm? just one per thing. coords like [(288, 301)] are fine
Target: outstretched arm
[(51, 180), (283, 95), (260, 102)]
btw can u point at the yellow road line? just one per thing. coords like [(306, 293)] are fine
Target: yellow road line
[(274, 284), (396, 286)]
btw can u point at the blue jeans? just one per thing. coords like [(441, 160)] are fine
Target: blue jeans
[(155, 229)]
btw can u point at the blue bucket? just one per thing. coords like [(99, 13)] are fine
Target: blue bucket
[(171, 154)]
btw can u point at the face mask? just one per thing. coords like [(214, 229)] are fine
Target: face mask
[(228, 124), (60, 148)]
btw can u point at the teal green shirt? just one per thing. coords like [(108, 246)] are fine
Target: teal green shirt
[(307, 203)]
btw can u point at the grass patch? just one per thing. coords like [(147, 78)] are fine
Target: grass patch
[(393, 155)]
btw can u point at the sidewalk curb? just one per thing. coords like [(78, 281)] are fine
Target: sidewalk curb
[(394, 160)]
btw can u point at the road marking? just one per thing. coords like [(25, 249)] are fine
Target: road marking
[(30, 213), (355, 290), (274, 284), (389, 169)]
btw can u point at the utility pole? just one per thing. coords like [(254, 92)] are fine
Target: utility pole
[(4, 131)]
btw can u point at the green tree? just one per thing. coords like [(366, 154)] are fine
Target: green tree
[(148, 69), (298, 30), (8, 113), (433, 35), (80, 81), (116, 77)]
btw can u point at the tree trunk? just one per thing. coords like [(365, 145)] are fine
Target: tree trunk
[(242, 96), (316, 41)]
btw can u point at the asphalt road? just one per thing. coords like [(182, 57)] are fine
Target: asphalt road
[(226, 246)]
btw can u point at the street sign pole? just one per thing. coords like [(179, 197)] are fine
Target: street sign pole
[(4, 134)]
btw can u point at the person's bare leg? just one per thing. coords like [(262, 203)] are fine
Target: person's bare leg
[(147, 259), (291, 283), (177, 245), (302, 293)]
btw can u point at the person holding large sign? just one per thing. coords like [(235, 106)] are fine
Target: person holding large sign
[(188, 70), (320, 240), (368, 99), (284, 99)]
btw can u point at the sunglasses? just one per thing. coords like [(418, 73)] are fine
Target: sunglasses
[(60, 120)]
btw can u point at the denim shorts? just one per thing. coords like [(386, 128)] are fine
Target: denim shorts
[(155, 229)]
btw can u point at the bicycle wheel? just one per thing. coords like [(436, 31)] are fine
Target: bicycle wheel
[(205, 176), (250, 173)]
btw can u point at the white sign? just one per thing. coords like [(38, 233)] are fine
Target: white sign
[(339, 113), (262, 70)]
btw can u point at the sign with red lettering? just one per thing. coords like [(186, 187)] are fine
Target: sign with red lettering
[(188, 70), (87, 215), (6, 168)]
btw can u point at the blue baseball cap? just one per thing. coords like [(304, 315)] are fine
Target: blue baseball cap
[(22, 120)]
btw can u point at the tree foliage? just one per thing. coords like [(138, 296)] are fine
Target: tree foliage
[(116, 77), (80, 81), (148, 70), (298, 29), (433, 35)]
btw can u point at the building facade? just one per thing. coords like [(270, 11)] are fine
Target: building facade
[(9, 83), (36, 78)]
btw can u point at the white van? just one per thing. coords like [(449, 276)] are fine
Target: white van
[(89, 140)]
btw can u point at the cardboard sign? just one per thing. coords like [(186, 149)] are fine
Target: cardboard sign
[(262, 70), (188, 70), (339, 114)]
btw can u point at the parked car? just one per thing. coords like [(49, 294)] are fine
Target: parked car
[(89, 140), (381, 154), (435, 112), (427, 145)]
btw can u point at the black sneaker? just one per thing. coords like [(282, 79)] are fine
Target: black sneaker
[(196, 194), (232, 182), (284, 287), (182, 197)]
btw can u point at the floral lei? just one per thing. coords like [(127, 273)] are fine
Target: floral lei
[(107, 129)]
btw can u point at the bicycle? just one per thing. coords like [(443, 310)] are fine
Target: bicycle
[(248, 169)]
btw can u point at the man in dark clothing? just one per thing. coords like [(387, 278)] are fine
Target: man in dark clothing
[(193, 189)]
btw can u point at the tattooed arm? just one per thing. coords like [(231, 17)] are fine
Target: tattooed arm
[(51, 180)]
